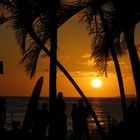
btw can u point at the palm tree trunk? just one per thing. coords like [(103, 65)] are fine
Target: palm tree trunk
[(120, 81), (134, 59), (53, 68), (53, 56), (117, 67), (93, 114), (123, 14)]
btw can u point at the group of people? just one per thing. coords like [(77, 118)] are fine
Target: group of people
[(40, 123), (79, 116), (56, 121), (53, 121)]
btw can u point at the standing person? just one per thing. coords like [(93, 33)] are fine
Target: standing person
[(61, 105), (132, 115), (40, 123), (83, 114), (61, 117), (75, 122), (2, 113), (132, 122)]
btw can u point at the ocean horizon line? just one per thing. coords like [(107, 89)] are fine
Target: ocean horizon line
[(18, 96)]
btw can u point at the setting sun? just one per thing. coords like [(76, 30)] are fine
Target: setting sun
[(97, 83)]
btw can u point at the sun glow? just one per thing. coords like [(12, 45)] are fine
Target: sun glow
[(97, 83)]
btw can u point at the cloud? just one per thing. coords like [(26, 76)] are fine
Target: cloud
[(64, 57), (83, 74), (86, 55), (87, 64)]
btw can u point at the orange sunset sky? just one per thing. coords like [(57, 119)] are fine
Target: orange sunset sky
[(73, 53)]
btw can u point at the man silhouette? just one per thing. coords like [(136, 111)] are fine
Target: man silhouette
[(41, 122), (83, 113)]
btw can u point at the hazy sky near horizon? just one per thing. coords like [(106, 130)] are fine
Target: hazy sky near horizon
[(73, 53)]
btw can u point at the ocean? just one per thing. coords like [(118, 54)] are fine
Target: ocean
[(17, 106)]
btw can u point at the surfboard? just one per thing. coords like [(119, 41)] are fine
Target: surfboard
[(32, 105), (1, 67)]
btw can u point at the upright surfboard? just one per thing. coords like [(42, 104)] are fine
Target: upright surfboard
[(1, 67), (32, 106)]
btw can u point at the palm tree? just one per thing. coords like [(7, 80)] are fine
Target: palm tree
[(54, 6), (128, 17), (24, 26), (113, 43), (101, 25), (125, 21)]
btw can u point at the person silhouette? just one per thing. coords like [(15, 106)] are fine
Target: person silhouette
[(58, 119), (131, 123), (75, 122), (61, 117), (40, 123), (83, 114), (2, 113), (131, 113), (61, 105)]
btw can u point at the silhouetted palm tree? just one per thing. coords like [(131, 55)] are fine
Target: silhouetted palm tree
[(128, 17), (101, 24), (112, 44), (54, 6), (37, 40), (124, 25)]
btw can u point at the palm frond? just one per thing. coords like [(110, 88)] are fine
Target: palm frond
[(19, 16), (105, 33), (42, 24), (30, 58), (99, 45), (100, 52), (28, 13)]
